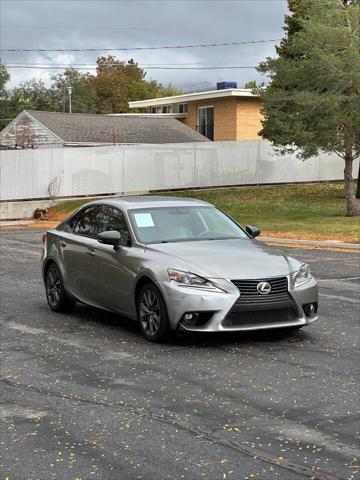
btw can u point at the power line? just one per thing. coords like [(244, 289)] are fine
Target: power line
[(136, 65), (166, 47), (107, 28), (234, 67)]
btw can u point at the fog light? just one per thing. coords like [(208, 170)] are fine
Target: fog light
[(195, 319), (310, 309)]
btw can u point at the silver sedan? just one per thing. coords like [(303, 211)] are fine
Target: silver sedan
[(174, 264)]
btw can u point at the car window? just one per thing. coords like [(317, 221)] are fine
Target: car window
[(165, 224), (86, 223), (111, 218), (100, 218)]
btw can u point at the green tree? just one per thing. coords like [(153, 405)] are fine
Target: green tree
[(313, 101), (4, 111), (253, 84), (4, 78), (168, 91), (117, 83), (109, 91), (33, 95), (84, 98), (293, 24), (30, 95)]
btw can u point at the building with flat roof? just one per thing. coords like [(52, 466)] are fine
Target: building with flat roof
[(222, 114)]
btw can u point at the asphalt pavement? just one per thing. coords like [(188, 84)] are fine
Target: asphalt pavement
[(84, 396)]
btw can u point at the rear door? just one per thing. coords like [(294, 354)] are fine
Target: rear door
[(77, 252)]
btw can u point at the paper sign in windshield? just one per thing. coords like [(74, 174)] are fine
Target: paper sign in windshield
[(144, 220)]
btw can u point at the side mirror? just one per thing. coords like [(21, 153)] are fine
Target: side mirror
[(112, 237), (252, 231)]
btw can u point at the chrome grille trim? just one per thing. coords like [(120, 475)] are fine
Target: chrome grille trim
[(250, 299), (248, 287)]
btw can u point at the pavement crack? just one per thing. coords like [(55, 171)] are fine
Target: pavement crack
[(187, 427)]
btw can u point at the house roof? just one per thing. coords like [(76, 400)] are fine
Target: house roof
[(80, 128), (191, 97)]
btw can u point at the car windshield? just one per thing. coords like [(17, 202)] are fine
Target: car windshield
[(178, 224)]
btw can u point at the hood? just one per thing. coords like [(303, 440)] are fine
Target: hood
[(230, 259)]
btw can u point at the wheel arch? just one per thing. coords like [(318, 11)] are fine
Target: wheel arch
[(47, 264), (143, 280)]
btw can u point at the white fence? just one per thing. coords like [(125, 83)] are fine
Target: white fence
[(121, 169)]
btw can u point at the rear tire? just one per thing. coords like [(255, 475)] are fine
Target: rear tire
[(152, 314), (57, 298)]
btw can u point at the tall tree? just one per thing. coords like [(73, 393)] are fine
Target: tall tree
[(253, 84), (4, 111), (30, 95), (117, 83), (109, 91), (84, 98), (313, 101), (293, 24), (35, 95), (4, 78)]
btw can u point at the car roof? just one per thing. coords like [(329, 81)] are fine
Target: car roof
[(151, 201)]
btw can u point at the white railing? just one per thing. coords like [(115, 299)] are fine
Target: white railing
[(67, 172)]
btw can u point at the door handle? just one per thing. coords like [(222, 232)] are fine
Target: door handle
[(91, 252), (62, 243)]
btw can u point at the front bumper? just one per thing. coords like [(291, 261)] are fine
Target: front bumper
[(220, 309)]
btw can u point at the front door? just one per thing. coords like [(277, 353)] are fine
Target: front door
[(113, 272)]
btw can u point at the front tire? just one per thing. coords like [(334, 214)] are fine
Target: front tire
[(152, 314), (57, 298)]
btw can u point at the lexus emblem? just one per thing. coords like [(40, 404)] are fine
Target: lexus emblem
[(264, 288)]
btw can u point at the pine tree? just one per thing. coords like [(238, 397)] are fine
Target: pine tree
[(313, 101)]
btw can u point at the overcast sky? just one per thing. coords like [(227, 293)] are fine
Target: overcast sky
[(65, 24)]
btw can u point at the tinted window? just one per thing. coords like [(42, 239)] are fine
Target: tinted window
[(112, 219), (86, 223), (100, 218)]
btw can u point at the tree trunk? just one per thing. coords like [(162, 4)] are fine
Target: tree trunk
[(351, 203), (358, 184)]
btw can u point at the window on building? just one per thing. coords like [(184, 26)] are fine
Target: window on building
[(155, 110), (205, 124), (183, 107), (167, 109)]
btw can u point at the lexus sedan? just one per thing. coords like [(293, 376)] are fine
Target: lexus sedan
[(174, 264)]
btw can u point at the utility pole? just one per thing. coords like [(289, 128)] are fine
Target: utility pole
[(70, 92)]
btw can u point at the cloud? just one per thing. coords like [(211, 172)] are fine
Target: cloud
[(114, 23)]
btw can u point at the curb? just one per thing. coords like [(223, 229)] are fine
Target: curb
[(325, 244)]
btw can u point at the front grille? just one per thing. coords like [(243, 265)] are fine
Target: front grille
[(251, 299), (248, 287), (259, 317)]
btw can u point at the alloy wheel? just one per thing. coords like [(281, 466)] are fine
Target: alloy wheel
[(150, 312), (53, 285)]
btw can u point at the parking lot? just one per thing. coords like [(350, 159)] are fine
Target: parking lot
[(84, 396)]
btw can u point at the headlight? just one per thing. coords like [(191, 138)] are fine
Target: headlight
[(187, 279), (303, 275)]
